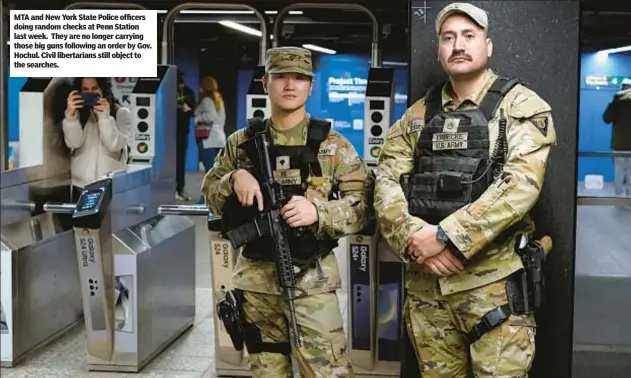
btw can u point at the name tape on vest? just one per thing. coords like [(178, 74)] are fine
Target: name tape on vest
[(450, 141), (328, 150), (288, 177)]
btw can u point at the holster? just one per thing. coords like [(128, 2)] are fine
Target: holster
[(242, 332), (525, 288), (524, 291), (230, 311)]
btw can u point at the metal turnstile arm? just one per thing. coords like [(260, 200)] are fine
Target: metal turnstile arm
[(59, 207), (18, 205), (195, 210)]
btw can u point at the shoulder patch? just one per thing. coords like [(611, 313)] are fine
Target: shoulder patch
[(416, 125), (327, 150), (526, 103), (541, 123)]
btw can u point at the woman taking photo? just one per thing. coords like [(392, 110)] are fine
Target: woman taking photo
[(95, 128)]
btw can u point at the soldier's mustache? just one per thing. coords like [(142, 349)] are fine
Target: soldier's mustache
[(460, 56)]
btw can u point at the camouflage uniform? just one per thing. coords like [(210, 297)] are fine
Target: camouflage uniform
[(439, 310), (323, 353)]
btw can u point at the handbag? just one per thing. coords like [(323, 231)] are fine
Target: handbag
[(202, 131)]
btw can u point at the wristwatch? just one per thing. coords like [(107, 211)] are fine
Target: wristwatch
[(442, 236)]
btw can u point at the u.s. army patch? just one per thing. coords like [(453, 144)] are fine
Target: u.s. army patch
[(450, 141), (327, 150), (416, 125), (541, 124)]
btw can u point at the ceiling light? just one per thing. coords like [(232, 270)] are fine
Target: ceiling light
[(234, 12), (396, 64), (319, 49), (295, 13), (241, 28), (615, 50)]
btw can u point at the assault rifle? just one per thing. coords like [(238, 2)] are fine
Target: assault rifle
[(275, 200)]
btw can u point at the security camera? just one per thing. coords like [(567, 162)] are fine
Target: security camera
[(386, 30), (287, 31)]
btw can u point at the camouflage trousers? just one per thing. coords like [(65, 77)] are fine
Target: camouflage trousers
[(437, 324), (323, 351)]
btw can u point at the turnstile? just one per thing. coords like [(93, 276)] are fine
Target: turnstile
[(229, 362), (40, 297), (375, 282), (137, 271)]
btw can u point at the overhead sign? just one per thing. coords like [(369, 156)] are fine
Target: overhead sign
[(604, 81)]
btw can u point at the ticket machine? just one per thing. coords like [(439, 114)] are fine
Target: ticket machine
[(257, 102)]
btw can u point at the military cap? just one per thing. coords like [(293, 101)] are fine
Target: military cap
[(288, 60), (476, 14)]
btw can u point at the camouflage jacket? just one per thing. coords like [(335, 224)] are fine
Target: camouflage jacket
[(474, 228), (341, 167)]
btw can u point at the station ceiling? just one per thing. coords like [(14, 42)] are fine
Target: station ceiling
[(604, 24)]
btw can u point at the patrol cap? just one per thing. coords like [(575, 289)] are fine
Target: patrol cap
[(288, 60), (476, 14)]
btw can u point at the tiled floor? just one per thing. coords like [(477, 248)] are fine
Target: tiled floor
[(192, 355)]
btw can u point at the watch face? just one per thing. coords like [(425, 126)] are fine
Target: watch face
[(440, 235)]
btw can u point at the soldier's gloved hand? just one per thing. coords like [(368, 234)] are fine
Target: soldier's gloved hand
[(247, 188), (299, 212), (423, 244), (444, 264)]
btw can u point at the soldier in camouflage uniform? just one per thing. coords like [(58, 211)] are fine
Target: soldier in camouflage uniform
[(459, 248), (288, 82)]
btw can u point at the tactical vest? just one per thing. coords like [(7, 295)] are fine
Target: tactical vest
[(305, 248), (453, 166)]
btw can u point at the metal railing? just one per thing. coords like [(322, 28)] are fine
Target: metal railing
[(603, 201), (168, 50), (375, 58)]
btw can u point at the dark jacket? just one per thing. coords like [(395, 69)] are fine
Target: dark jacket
[(619, 113), (185, 96)]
